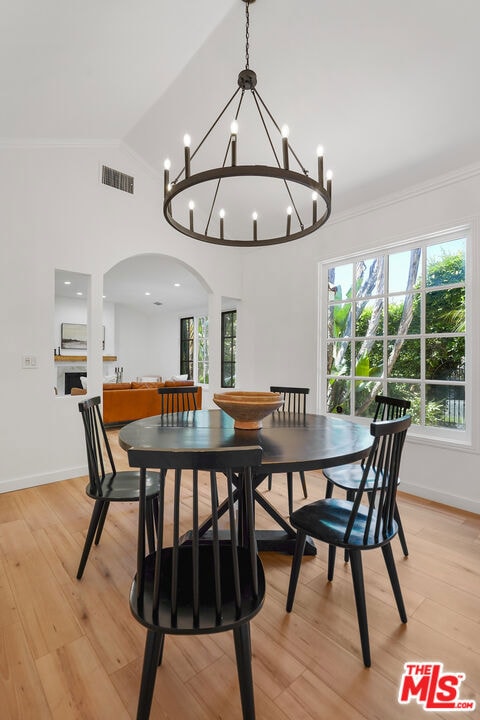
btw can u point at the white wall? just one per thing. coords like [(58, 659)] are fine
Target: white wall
[(281, 315), (56, 214), (132, 341), (165, 332)]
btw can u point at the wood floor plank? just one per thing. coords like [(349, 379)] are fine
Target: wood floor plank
[(77, 685), (172, 698), (47, 620), (9, 507), (67, 501), (8, 608), (311, 694), (45, 514), (217, 687), (104, 615), (190, 655), (274, 669), (21, 692)]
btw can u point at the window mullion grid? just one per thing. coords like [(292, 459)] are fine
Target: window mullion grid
[(422, 336)]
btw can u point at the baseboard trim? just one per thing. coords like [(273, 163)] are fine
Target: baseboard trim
[(43, 479), (462, 503)]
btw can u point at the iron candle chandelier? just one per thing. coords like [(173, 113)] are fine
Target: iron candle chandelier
[(294, 219)]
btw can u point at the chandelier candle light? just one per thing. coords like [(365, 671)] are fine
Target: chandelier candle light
[(293, 181)]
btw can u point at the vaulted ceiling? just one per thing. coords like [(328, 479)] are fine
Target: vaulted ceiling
[(389, 88)]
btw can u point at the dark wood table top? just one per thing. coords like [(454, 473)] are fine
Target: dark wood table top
[(290, 442)]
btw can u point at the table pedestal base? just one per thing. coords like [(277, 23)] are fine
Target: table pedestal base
[(267, 541), (278, 541)]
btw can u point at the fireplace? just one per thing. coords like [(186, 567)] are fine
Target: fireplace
[(72, 380)]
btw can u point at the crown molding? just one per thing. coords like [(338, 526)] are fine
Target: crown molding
[(451, 178), (54, 143)]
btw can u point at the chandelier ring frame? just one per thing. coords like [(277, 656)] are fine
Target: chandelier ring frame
[(246, 171)]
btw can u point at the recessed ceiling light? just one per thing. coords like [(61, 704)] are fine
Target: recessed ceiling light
[(176, 284), (67, 282), (79, 293), (147, 293)]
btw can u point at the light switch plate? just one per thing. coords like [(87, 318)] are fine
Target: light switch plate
[(29, 362)]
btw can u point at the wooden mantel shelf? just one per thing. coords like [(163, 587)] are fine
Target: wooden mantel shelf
[(81, 358)]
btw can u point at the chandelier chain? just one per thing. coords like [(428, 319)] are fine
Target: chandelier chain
[(247, 36)]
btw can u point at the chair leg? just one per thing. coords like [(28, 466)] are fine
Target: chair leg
[(290, 492), (243, 652), (101, 521), (359, 590), (92, 528), (350, 498), (401, 534), (153, 651), (392, 572), (332, 551), (329, 489), (304, 484), (295, 571), (269, 482)]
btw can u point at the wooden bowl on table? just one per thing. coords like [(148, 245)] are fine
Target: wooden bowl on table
[(248, 408)]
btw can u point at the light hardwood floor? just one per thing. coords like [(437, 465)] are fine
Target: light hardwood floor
[(71, 649)]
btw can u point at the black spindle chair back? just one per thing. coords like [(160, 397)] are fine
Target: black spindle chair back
[(295, 399), (348, 477), (97, 445), (192, 584), (178, 399), (105, 484), (379, 483)]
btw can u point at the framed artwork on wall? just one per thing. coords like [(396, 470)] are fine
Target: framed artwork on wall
[(74, 336)]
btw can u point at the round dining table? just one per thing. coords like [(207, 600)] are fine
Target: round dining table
[(290, 442)]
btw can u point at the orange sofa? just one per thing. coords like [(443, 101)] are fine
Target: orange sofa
[(123, 402)]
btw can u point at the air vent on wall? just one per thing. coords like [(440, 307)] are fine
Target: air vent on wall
[(117, 179), (157, 302)]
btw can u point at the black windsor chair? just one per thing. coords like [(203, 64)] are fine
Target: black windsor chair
[(178, 399), (295, 401), (198, 586), (348, 477), (106, 485), (357, 527)]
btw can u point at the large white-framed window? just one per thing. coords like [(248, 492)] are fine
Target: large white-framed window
[(394, 322)]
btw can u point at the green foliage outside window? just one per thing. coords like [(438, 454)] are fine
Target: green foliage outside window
[(389, 332), (229, 348), (194, 348), (186, 346), (202, 350)]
